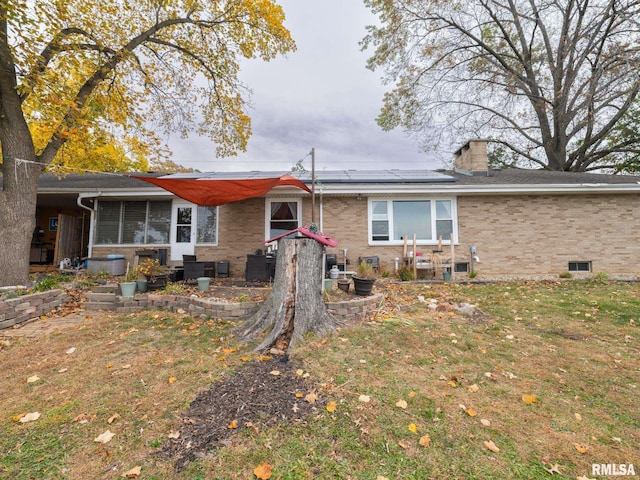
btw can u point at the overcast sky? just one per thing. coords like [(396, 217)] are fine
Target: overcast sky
[(320, 96)]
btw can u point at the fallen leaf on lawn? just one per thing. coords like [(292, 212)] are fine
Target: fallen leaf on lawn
[(174, 435), (402, 444), (471, 412), (412, 394), (616, 439), (71, 350), (104, 437), (331, 406), (380, 477), (554, 469), (33, 379), (401, 404), (578, 417), (452, 384), (311, 397), (265, 358), (133, 473), (295, 408), (112, 418), (251, 425), (580, 448), (413, 428), (126, 367), (489, 445), (584, 477), (172, 379), (62, 370), (244, 359), (30, 417), (233, 424), (299, 372), (275, 372), (485, 422), (364, 398), (425, 441), (526, 398), (299, 394), (473, 388), (263, 472)]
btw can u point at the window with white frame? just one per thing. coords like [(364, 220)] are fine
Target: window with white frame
[(390, 221), (132, 222), (283, 216)]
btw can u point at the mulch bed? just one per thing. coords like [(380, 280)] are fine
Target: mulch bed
[(254, 397)]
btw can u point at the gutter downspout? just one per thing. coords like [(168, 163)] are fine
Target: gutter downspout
[(91, 218)]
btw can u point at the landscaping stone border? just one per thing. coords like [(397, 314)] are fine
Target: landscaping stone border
[(15, 311)]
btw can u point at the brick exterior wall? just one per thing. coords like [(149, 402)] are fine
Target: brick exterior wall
[(538, 235), (516, 235)]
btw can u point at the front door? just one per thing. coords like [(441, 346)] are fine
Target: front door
[(183, 230)]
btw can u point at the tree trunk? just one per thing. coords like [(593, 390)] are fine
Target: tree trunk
[(17, 221), (295, 305)]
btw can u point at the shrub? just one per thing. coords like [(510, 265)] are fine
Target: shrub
[(405, 274)]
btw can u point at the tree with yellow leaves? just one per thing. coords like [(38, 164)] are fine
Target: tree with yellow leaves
[(85, 72)]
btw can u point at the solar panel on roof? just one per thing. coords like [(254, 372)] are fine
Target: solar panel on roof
[(335, 176)]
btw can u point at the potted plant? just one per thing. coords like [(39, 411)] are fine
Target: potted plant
[(128, 284), (153, 272), (364, 279)]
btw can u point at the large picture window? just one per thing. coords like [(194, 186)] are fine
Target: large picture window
[(132, 222), (391, 221)]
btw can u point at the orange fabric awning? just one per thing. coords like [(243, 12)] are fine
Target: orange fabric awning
[(218, 192)]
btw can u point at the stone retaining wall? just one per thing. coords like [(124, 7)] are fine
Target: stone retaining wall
[(14, 311), (348, 312), (355, 311), (17, 310)]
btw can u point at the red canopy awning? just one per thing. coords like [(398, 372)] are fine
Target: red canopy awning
[(218, 192)]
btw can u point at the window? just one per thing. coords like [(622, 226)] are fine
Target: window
[(393, 220), (207, 225), (132, 222), (462, 267), (283, 217), (580, 266)]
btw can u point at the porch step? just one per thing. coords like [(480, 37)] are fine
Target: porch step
[(100, 306), (101, 297), (106, 288)]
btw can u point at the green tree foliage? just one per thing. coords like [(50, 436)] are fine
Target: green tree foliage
[(552, 83), (82, 80)]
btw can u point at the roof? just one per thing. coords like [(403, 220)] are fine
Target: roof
[(518, 176), (511, 180)]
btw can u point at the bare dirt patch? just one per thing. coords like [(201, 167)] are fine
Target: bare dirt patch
[(260, 394)]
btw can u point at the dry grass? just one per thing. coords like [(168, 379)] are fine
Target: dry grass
[(573, 345)]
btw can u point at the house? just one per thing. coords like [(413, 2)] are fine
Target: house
[(508, 222)]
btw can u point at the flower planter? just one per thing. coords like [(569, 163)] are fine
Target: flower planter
[(203, 283), (158, 282), (141, 285), (363, 286), (343, 284), (127, 289)]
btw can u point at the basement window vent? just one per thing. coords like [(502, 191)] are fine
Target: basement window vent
[(462, 267), (580, 266)]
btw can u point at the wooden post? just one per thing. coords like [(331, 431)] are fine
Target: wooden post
[(415, 268), (453, 258)]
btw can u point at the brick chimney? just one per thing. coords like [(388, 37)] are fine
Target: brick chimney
[(471, 158)]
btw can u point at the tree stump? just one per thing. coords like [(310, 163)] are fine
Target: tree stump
[(295, 305)]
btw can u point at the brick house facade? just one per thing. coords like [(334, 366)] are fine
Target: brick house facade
[(521, 222)]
